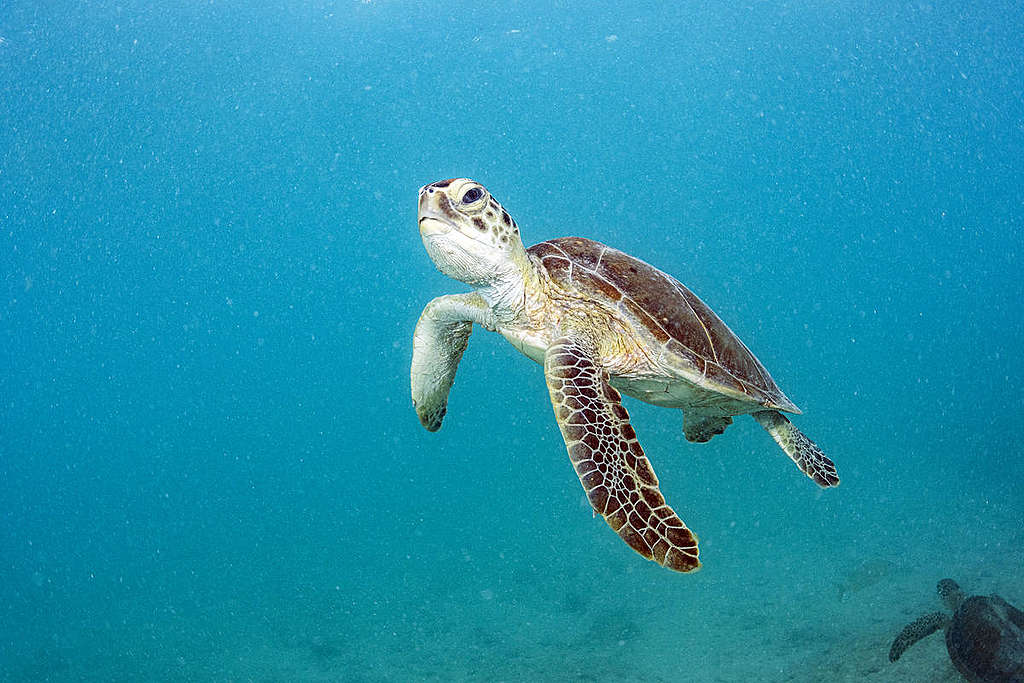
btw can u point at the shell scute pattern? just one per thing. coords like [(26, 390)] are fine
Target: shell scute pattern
[(601, 322), (677, 319)]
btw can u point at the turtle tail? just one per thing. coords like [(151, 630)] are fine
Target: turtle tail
[(915, 631)]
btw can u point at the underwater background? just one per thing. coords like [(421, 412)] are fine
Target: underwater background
[(210, 467)]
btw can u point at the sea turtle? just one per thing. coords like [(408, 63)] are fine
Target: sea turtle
[(984, 635), (601, 322)]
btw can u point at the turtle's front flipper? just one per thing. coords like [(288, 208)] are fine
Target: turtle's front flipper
[(609, 461), (915, 631), (441, 336), (804, 452)]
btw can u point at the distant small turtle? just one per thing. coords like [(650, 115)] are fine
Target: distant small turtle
[(984, 635), (600, 321)]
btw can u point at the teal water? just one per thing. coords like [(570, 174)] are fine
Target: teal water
[(210, 468)]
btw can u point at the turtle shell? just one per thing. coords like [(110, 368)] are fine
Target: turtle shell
[(986, 640), (691, 336)]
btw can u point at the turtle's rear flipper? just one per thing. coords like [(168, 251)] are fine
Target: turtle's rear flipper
[(804, 452), (915, 631), (700, 428)]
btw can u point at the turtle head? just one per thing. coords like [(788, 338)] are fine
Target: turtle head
[(950, 593), (468, 235)]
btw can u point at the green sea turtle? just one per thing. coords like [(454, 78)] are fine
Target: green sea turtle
[(601, 322), (984, 635)]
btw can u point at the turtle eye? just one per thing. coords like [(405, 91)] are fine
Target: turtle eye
[(472, 195)]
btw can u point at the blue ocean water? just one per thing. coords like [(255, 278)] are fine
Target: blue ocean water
[(210, 467)]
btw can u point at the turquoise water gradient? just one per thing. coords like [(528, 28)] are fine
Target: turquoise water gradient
[(210, 467)]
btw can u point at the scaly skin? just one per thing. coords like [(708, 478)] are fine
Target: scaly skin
[(601, 322), (608, 459)]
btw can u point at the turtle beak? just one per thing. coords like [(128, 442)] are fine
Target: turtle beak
[(430, 220), (430, 226)]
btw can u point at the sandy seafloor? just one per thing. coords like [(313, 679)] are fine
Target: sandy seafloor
[(210, 469), (795, 587), (836, 626)]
